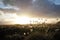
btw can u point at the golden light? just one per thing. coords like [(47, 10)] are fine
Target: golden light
[(28, 20), (22, 20)]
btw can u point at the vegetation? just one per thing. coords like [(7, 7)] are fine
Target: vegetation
[(30, 32)]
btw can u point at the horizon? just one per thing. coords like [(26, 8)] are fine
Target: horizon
[(11, 9)]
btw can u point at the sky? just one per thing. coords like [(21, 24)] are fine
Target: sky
[(57, 2), (33, 8), (46, 8)]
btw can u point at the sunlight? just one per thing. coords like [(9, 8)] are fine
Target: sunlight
[(22, 20), (27, 20)]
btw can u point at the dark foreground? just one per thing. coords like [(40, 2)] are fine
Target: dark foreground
[(30, 32)]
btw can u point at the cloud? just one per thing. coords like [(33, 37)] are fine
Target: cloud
[(8, 7), (7, 18), (46, 8)]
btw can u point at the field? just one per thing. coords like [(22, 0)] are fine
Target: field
[(30, 32)]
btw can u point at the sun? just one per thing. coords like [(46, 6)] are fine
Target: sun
[(22, 20)]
